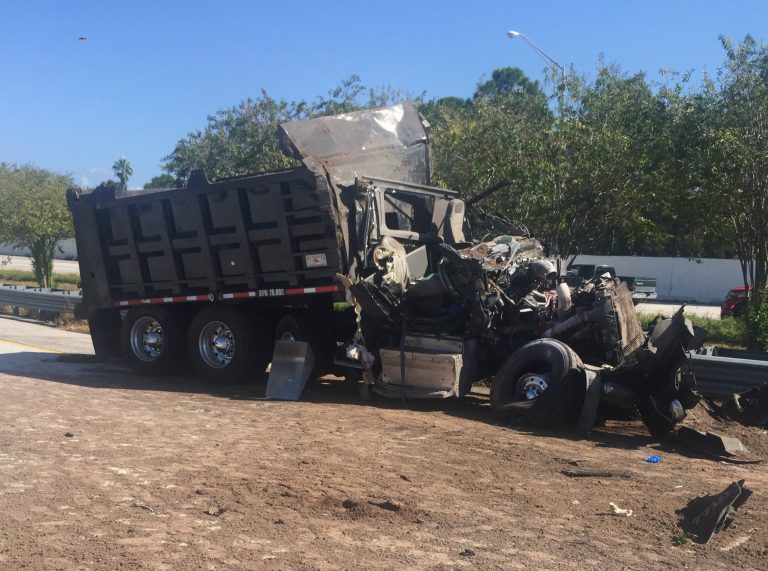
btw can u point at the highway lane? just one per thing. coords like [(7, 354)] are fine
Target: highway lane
[(27, 335)]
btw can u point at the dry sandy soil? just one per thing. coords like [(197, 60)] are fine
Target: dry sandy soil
[(100, 469)]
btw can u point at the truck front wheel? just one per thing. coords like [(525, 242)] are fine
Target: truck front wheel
[(543, 381), (225, 346), (295, 327), (152, 341)]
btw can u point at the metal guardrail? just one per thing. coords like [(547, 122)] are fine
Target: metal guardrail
[(719, 376), (41, 299)]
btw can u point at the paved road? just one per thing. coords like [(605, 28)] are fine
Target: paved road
[(667, 309), (25, 264), (35, 336)]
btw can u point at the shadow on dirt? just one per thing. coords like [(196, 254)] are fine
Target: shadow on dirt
[(87, 371)]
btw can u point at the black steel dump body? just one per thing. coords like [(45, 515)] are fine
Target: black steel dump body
[(257, 236)]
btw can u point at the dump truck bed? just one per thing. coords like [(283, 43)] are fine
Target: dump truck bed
[(257, 236)]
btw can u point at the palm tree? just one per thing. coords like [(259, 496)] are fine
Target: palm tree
[(123, 171)]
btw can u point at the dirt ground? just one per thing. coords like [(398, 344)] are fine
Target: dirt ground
[(100, 469)]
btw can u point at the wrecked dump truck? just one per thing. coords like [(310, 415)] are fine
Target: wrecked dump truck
[(444, 294)]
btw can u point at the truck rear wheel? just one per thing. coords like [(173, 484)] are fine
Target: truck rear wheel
[(543, 381), (224, 345), (152, 342)]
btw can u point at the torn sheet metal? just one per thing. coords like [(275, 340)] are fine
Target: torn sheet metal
[(390, 257), (717, 446), (749, 408), (500, 252), (706, 515), (390, 142)]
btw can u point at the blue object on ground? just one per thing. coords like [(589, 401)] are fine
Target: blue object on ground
[(653, 459)]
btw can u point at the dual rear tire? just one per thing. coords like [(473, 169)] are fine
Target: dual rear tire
[(221, 343), (225, 345), (152, 341)]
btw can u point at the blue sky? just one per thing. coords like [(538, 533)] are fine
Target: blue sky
[(150, 72)]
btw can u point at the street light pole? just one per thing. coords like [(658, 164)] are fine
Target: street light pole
[(514, 34), (560, 104)]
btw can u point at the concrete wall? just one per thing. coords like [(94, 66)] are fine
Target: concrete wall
[(704, 280), (68, 246)]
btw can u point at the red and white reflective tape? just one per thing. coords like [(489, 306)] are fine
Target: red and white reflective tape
[(279, 292), (274, 292), (152, 300), (320, 289)]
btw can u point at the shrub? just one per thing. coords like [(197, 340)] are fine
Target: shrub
[(755, 320), (730, 331)]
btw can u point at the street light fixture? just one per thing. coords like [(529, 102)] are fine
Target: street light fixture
[(514, 34)]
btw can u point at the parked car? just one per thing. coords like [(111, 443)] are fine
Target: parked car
[(734, 302)]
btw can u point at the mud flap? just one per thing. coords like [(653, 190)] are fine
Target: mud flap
[(292, 364), (592, 394)]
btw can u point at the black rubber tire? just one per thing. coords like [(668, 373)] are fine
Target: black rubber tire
[(292, 327), (171, 357), (249, 357), (561, 402), (297, 328)]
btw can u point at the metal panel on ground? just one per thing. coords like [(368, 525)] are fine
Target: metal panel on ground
[(292, 364)]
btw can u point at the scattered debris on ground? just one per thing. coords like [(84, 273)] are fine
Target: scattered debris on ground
[(595, 474), (705, 516), (616, 510), (749, 408), (216, 510)]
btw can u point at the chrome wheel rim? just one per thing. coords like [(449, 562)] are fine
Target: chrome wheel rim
[(531, 386), (216, 344), (287, 336), (147, 339)]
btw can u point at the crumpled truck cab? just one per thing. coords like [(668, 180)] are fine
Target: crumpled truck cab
[(446, 294)]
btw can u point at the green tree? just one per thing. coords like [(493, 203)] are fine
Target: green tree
[(238, 140), (34, 215), (500, 135), (123, 171), (242, 139), (161, 181), (613, 152), (434, 110), (736, 149), (596, 172), (507, 80)]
